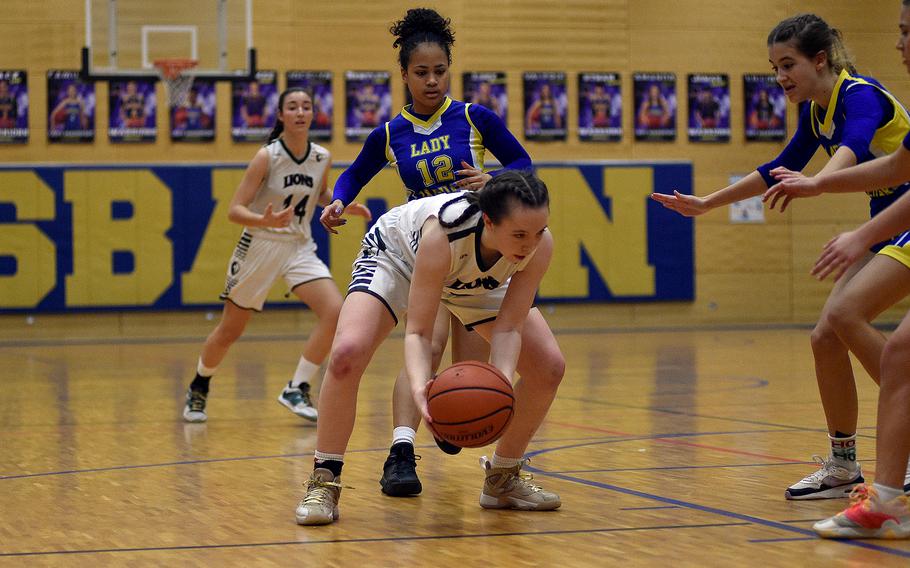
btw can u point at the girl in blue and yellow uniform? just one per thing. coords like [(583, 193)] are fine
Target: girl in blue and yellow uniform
[(438, 146), (855, 120)]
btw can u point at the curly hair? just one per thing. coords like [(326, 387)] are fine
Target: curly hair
[(421, 25)]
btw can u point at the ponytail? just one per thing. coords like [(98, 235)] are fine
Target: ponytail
[(499, 195)]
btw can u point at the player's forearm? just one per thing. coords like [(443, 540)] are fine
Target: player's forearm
[(894, 220), (418, 356), (505, 345), (749, 186), (888, 171), (242, 215)]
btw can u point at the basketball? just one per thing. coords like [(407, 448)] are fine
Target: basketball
[(471, 404)]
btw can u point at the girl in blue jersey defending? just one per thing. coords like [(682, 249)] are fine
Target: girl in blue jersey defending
[(880, 509), (437, 145), (855, 120), (275, 202), (414, 261)]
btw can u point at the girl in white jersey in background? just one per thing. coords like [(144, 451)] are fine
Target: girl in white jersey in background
[(288, 174), (457, 250)]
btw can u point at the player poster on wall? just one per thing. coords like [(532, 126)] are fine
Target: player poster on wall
[(253, 107), (655, 110), (599, 107), (765, 108), (369, 102), (194, 120), (319, 85), (545, 105), (70, 107), (487, 89), (131, 110), (13, 107), (709, 107)]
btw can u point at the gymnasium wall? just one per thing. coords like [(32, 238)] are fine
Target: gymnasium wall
[(743, 273)]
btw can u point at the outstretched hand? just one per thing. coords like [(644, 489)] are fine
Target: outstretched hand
[(277, 220), (790, 186), (837, 256), (688, 205)]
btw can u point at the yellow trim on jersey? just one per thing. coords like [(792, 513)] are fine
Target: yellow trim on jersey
[(824, 127), (428, 122), (476, 140), (389, 154), (887, 138)]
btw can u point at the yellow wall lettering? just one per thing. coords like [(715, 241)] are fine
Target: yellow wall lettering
[(618, 247), (35, 254), (96, 236), (205, 281)]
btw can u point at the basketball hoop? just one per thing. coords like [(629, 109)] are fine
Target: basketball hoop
[(173, 73)]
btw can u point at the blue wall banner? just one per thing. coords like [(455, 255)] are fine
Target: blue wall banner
[(77, 238)]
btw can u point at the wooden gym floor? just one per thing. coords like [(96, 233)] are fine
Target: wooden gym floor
[(667, 446)]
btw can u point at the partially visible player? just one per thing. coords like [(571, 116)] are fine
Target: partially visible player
[(544, 112), (762, 116), (369, 105), (69, 114), (132, 106), (654, 111), (855, 120), (191, 115), (252, 106), (483, 96), (600, 102), (455, 252), (275, 202), (9, 107), (706, 109), (438, 145)]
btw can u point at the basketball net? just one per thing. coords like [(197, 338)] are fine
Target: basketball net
[(177, 81)]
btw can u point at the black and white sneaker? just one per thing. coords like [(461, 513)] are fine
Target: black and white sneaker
[(298, 401), (194, 409), (830, 481)]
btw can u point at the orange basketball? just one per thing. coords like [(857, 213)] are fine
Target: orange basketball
[(471, 404)]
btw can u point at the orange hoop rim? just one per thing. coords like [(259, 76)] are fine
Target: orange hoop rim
[(173, 68)]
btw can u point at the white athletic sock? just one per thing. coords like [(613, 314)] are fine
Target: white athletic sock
[(886, 493), (204, 371), (499, 462), (322, 456), (403, 434), (843, 451), (305, 371)]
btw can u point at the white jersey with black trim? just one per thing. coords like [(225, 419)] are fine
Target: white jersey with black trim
[(291, 182), (398, 234)]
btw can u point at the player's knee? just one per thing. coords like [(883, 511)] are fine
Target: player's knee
[(347, 360), (841, 317), (895, 355), (553, 370), (823, 335)]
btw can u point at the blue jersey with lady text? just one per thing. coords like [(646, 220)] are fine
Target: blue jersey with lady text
[(428, 150), (861, 115)]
